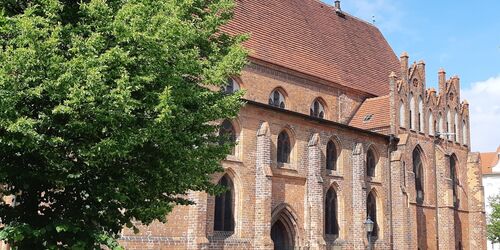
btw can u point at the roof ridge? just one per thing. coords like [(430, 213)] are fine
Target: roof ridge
[(347, 13), (377, 97)]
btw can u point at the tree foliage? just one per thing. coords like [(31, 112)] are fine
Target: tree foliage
[(106, 113), (494, 219)]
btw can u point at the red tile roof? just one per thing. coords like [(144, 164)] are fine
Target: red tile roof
[(373, 114), (308, 36), (489, 160)]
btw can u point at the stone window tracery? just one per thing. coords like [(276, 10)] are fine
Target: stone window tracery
[(317, 109), (231, 86), (277, 99)]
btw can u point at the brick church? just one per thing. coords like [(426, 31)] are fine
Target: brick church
[(336, 130)]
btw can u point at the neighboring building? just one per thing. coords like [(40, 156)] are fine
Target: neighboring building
[(329, 137), (490, 163)]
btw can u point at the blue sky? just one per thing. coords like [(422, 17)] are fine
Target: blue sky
[(463, 37)]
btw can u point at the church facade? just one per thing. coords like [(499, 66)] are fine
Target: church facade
[(337, 130)]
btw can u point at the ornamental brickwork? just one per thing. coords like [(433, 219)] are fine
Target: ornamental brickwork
[(309, 87)]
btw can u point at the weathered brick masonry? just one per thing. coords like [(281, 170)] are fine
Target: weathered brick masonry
[(426, 183)]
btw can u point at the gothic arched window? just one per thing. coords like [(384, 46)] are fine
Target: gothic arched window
[(231, 86), (227, 132), (402, 114), (331, 156), (454, 179), (419, 174), (371, 212), (277, 99), (317, 109), (331, 211), (283, 148), (370, 163), (224, 206)]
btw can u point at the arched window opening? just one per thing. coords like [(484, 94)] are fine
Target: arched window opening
[(231, 86), (224, 206), (317, 109), (227, 134), (464, 133), (370, 163), (420, 115), (432, 123), (277, 99), (402, 114), (331, 156), (371, 212), (418, 171), (454, 179), (412, 112), (331, 211), (283, 147)]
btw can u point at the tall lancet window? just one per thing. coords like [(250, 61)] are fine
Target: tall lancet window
[(432, 125), (224, 206), (412, 111)]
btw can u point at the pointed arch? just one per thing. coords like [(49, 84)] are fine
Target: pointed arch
[(284, 231), (224, 206), (318, 108), (277, 98), (418, 171), (331, 212), (371, 211), (332, 154), (284, 147), (231, 86), (371, 162)]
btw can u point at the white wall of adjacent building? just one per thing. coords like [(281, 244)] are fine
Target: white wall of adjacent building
[(491, 183)]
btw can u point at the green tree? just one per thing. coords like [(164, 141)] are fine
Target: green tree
[(107, 113), (494, 219)]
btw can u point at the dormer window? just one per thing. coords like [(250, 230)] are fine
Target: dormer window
[(277, 99), (231, 86), (317, 109)]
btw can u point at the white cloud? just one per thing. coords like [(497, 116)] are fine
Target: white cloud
[(484, 104)]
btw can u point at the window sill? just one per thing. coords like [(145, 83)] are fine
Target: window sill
[(233, 158), (333, 173)]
